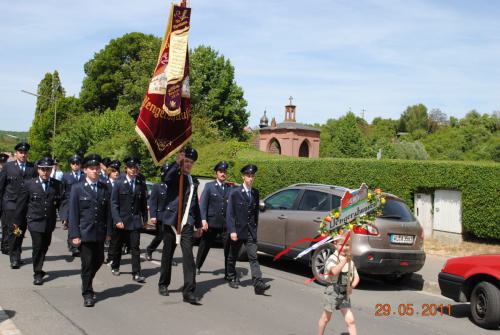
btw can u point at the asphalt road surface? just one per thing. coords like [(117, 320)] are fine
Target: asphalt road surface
[(125, 307)]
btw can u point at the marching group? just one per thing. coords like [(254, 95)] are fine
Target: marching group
[(98, 205)]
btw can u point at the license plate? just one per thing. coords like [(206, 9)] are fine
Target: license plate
[(402, 239)]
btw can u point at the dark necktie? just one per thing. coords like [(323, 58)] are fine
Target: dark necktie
[(249, 194), (94, 187), (45, 185), (21, 166)]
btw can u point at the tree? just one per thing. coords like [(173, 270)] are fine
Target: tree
[(343, 138), (437, 119), (119, 73), (41, 132), (214, 92), (414, 118)]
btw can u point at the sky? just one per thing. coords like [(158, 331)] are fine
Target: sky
[(331, 56)]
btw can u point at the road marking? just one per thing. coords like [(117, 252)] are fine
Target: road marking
[(7, 326)]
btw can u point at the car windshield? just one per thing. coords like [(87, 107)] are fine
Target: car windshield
[(396, 209)]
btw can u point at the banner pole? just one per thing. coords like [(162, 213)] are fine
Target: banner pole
[(181, 198)]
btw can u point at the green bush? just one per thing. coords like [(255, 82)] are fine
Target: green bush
[(478, 182)]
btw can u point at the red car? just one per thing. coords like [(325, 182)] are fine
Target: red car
[(475, 279)]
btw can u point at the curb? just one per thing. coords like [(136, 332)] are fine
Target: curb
[(7, 326)]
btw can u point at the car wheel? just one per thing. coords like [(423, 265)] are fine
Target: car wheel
[(485, 305), (318, 261)]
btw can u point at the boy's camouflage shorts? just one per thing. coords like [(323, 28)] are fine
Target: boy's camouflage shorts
[(335, 297)]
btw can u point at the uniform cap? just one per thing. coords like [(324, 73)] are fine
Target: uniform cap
[(106, 161), (191, 154), (92, 160), (131, 162), (45, 162), (221, 166), (115, 164), (23, 146), (3, 157), (75, 159), (249, 169)]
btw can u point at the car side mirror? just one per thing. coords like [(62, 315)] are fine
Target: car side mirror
[(262, 206)]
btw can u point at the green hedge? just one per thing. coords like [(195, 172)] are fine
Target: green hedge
[(478, 182)]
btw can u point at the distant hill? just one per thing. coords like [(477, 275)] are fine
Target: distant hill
[(8, 139)]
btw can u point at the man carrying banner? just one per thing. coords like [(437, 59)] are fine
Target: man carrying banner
[(190, 225)]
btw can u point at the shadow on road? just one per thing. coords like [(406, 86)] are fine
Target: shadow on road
[(369, 283), (460, 311), (115, 292), (53, 275)]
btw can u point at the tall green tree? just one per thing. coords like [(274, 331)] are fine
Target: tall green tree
[(50, 94), (343, 138), (214, 92), (119, 73), (414, 118)]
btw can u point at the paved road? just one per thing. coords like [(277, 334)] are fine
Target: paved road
[(125, 307)]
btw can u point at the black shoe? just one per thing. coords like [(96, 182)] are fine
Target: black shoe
[(15, 265), (138, 278), (75, 254), (38, 280), (226, 278), (260, 287), (174, 263), (192, 299), (149, 256), (5, 252), (21, 262), (115, 272), (88, 301), (198, 271), (163, 290), (234, 283)]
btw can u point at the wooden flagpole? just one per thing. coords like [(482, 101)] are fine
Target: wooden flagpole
[(181, 177)]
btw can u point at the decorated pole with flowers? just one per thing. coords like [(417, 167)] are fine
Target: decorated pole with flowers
[(358, 210)]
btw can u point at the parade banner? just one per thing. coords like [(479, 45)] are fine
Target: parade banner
[(354, 205), (164, 121)]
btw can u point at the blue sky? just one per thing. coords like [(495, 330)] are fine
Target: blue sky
[(330, 55)]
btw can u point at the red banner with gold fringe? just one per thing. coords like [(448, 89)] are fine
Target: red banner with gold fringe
[(164, 121)]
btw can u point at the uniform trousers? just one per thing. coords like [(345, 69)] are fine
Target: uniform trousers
[(188, 265), (157, 239), (92, 257), (120, 236), (234, 249), (4, 244), (206, 242), (15, 242), (41, 243)]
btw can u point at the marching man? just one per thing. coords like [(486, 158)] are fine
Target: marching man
[(90, 223), (242, 219)]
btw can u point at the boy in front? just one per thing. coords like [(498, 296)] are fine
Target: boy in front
[(336, 295)]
